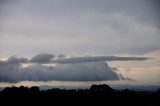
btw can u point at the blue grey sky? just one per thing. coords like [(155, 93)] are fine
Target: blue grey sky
[(73, 27)]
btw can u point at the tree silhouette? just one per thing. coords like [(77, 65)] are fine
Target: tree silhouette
[(97, 94)]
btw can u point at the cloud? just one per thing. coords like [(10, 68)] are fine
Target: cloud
[(70, 27), (93, 71), (15, 59), (90, 68), (125, 78), (61, 56), (9, 72), (62, 59), (42, 58), (96, 58)]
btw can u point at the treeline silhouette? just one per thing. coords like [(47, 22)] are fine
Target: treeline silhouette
[(95, 95)]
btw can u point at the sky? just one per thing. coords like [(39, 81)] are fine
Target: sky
[(63, 40)]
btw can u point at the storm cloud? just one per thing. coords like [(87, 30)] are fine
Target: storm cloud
[(48, 67), (93, 71)]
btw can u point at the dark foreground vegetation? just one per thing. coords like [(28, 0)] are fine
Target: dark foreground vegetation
[(96, 95)]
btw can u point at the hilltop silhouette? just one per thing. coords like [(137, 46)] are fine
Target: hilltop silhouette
[(96, 94)]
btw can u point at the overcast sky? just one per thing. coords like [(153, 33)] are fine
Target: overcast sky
[(84, 32), (73, 27)]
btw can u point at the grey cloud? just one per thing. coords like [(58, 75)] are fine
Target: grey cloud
[(115, 69), (42, 58), (96, 58), (76, 26), (93, 71), (15, 59), (9, 72), (125, 78), (50, 58), (61, 56), (89, 68), (121, 76)]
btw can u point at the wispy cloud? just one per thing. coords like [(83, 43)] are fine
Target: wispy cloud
[(62, 59), (96, 58)]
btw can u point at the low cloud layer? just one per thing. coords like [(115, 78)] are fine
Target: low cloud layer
[(93, 71), (16, 69), (15, 60)]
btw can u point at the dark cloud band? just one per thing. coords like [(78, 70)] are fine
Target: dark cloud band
[(93, 71), (96, 58), (86, 68)]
